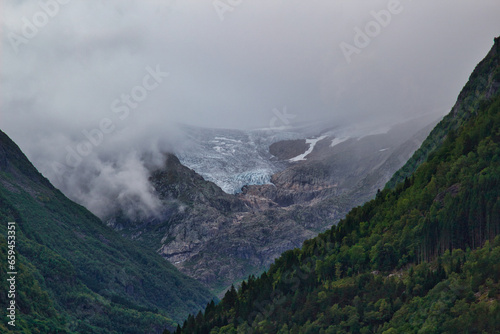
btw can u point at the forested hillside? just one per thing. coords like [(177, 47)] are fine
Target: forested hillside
[(74, 274), (421, 257), (482, 86)]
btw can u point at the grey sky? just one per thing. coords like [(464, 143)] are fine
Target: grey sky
[(232, 73), (65, 77)]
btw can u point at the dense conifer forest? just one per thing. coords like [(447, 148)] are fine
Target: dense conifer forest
[(422, 257)]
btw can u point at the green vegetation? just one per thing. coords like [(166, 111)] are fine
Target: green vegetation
[(480, 87), (421, 257), (76, 275)]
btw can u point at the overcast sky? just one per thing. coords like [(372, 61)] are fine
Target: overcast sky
[(68, 66)]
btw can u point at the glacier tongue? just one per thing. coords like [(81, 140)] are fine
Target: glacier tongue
[(254, 177), (232, 158)]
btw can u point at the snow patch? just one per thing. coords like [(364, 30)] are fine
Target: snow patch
[(312, 143)]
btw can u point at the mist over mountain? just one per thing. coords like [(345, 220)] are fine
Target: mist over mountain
[(155, 154), (235, 200), (420, 257), (74, 274), (134, 70)]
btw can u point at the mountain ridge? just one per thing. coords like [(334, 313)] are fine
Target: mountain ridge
[(422, 257), (86, 276), (221, 238), (483, 84)]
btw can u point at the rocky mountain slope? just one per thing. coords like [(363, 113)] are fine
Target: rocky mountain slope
[(419, 258), (75, 274), (208, 234), (220, 238)]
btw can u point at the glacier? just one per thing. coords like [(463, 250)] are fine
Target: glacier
[(233, 158)]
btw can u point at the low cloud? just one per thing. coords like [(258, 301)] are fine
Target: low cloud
[(111, 186), (61, 82)]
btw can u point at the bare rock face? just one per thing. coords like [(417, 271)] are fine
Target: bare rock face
[(259, 197), (213, 236), (220, 238), (287, 149)]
